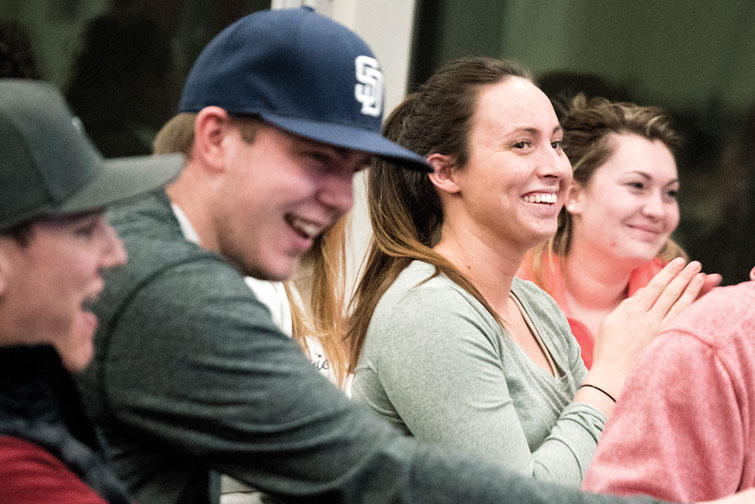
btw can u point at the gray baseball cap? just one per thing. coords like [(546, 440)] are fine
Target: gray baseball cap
[(48, 165)]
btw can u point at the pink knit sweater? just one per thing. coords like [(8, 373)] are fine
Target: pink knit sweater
[(684, 427)]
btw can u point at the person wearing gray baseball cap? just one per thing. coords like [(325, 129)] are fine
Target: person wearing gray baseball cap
[(54, 246), (191, 377)]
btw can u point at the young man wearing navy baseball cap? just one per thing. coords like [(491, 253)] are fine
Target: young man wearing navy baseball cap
[(54, 246), (191, 377)]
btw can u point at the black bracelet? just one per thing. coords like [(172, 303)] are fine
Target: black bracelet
[(600, 389)]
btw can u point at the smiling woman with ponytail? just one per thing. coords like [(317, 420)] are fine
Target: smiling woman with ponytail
[(445, 342)]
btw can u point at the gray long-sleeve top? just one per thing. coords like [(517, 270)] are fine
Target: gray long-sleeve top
[(436, 364)]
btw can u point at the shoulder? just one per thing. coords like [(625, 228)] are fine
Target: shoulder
[(419, 292), (163, 268), (722, 317), (196, 301), (183, 294), (169, 298), (28, 473), (151, 233), (714, 335), (421, 313), (712, 339)]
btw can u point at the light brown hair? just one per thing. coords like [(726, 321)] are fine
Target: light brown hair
[(321, 280), (589, 126)]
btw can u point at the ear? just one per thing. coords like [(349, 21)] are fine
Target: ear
[(575, 196), (443, 176), (4, 270), (210, 129)]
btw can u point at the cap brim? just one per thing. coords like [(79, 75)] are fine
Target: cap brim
[(121, 179), (350, 137)]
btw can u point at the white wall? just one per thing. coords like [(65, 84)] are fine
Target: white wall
[(386, 26)]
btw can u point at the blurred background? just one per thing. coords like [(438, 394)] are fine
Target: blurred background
[(121, 64)]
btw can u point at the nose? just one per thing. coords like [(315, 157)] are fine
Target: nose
[(113, 251), (336, 192), (653, 206), (553, 163)]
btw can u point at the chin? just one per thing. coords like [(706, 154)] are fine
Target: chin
[(278, 271), (639, 256), (541, 236), (76, 360)]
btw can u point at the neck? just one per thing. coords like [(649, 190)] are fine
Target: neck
[(594, 280), (187, 193), (488, 264)]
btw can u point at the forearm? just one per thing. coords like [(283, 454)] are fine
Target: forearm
[(604, 392)]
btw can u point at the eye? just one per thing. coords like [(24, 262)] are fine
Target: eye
[(317, 160), (88, 228), (318, 156), (557, 145), (522, 144), (671, 194), (636, 185)]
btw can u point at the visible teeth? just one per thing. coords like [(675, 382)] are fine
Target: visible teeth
[(304, 227), (540, 198)]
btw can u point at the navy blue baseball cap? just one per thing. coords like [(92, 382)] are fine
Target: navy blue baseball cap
[(302, 72)]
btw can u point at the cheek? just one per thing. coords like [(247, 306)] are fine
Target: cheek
[(76, 279), (608, 210), (620, 207), (672, 218)]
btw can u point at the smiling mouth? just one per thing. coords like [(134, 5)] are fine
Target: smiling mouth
[(304, 228), (645, 229), (543, 198)]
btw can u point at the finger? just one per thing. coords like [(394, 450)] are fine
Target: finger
[(646, 297), (712, 280), (676, 288), (688, 297)]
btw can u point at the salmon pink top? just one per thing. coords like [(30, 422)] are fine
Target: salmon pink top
[(554, 285)]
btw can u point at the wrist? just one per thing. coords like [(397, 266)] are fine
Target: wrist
[(608, 380), (599, 389)]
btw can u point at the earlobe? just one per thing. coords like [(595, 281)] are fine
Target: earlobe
[(210, 128), (443, 175), (573, 203)]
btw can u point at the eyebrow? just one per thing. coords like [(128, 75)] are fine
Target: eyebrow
[(533, 131), (648, 176), (70, 219), (342, 152)]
